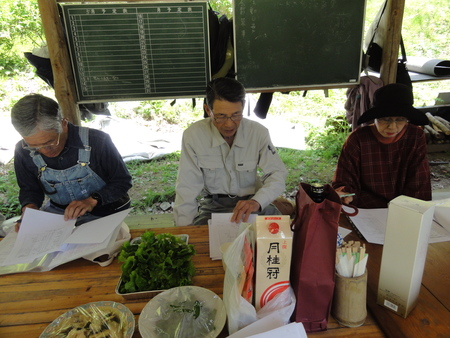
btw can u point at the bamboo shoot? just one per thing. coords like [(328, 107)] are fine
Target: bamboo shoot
[(435, 134), (438, 124)]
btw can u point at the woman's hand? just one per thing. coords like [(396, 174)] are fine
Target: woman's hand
[(346, 197)]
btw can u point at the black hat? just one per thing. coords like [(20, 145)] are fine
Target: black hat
[(394, 100)]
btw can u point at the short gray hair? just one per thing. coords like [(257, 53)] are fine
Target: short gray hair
[(36, 112)]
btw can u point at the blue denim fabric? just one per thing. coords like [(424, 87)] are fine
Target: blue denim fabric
[(75, 183)]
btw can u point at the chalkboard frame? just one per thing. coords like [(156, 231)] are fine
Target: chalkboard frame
[(274, 50), (183, 85)]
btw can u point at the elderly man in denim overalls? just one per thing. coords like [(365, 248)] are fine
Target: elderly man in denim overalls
[(78, 169)]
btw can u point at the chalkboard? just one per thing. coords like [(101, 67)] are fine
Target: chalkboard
[(138, 51), (293, 43)]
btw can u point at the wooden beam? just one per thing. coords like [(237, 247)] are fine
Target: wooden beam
[(64, 84), (393, 19)]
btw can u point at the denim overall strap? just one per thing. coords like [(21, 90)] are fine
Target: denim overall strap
[(73, 183), (38, 160), (84, 154)]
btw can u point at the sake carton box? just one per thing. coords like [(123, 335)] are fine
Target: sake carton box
[(273, 257), (404, 253)]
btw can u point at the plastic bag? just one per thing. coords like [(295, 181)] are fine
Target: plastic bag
[(183, 312), (106, 256), (241, 312), (7, 225), (273, 315), (98, 319)]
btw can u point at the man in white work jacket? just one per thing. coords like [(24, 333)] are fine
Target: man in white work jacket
[(220, 158)]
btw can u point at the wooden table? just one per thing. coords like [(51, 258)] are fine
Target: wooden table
[(431, 316), (31, 301)]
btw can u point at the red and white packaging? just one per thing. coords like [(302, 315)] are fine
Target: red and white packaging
[(273, 257)]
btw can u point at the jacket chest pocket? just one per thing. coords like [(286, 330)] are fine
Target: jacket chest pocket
[(246, 173), (213, 170)]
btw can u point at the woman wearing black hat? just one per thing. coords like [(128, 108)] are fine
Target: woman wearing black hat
[(387, 158)]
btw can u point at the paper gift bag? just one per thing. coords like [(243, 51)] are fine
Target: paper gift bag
[(312, 277)]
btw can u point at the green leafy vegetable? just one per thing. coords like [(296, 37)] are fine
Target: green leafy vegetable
[(195, 310), (158, 262), (185, 319)]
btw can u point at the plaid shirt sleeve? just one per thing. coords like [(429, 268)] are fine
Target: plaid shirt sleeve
[(418, 177)]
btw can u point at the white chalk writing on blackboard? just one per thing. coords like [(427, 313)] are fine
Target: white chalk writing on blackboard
[(138, 50)]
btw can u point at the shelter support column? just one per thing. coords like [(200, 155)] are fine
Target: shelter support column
[(391, 40), (64, 84)]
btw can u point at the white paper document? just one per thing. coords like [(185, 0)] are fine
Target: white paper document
[(343, 231), (40, 233), (291, 330), (96, 231), (222, 230), (372, 225), (45, 240), (74, 251)]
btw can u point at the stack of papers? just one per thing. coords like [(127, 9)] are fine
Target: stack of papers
[(372, 225), (45, 240), (222, 231)]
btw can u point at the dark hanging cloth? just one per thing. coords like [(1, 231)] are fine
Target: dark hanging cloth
[(43, 67), (263, 105)]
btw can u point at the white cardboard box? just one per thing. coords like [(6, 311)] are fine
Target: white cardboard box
[(404, 253)]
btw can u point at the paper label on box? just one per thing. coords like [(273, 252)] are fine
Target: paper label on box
[(273, 258)]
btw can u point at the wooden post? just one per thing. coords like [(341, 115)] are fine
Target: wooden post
[(64, 84), (393, 22)]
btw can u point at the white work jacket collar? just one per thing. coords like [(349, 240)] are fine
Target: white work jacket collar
[(218, 139)]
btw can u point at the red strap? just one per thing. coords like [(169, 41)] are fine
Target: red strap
[(351, 214)]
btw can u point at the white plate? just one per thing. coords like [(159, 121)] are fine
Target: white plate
[(129, 317), (176, 312)]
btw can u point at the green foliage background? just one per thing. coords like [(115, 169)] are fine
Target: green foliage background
[(20, 28)]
